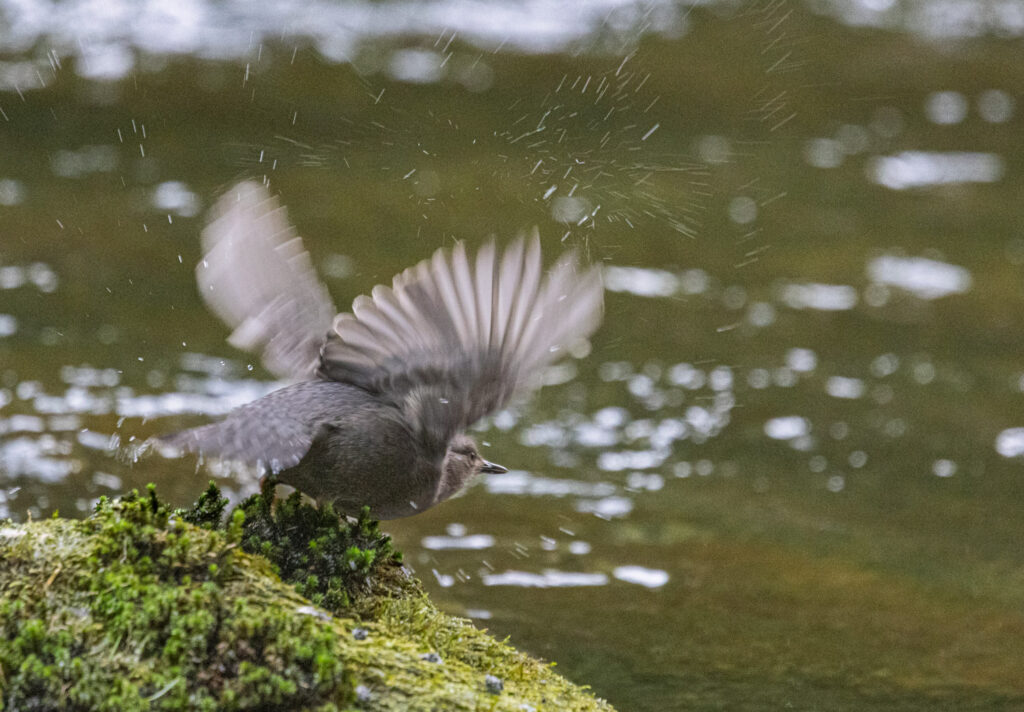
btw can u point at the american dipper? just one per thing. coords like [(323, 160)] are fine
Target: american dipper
[(382, 395)]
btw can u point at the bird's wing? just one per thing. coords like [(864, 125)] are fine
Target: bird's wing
[(257, 277), (455, 338), (276, 430), (275, 442)]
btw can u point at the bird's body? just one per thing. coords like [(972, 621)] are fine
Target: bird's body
[(322, 427), (378, 415)]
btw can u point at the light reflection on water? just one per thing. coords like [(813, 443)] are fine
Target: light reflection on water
[(547, 578), (931, 19), (917, 169), (339, 31), (924, 278), (38, 275)]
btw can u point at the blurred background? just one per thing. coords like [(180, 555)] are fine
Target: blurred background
[(787, 475)]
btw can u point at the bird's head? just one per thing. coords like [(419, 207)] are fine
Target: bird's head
[(462, 462)]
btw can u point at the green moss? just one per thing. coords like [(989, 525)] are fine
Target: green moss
[(140, 608), (329, 563), (208, 511), (136, 609)]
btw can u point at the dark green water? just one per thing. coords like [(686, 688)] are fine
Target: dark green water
[(787, 475)]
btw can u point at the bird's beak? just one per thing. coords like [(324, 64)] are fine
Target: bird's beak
[(493, 468)]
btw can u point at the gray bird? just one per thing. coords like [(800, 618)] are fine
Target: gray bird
[(381, 395)]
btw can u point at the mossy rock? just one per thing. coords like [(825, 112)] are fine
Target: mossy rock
[(142, 608)]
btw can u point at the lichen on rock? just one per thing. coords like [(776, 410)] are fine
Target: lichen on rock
[(273, 607)]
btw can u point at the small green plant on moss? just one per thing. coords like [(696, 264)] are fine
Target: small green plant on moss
[(208, 511), (328, 562)]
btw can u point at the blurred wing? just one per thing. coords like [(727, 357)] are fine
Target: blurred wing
[(274, 443), (275, 431), (455, 339), (257, 277)]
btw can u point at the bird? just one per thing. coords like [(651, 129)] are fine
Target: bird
[(378, 399)]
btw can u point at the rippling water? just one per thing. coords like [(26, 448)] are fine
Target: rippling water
[(789, 470)]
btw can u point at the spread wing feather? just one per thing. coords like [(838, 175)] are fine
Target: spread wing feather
[(257, 277), (454, 339)]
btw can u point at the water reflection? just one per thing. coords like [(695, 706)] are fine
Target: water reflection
[(931, 19), (175, 197), (648, 578), (12, 192), (457, 538), (1010, 442), (545, 579), (339, 31), (790, 427), (844, 387), (38, 274), (647, 282), (918, 169), (925, 278), (996, 106), (823, 297)]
